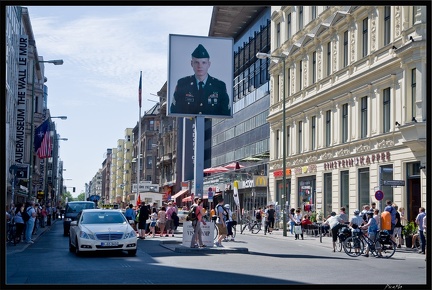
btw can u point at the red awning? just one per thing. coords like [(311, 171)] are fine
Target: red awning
[(181, 192)]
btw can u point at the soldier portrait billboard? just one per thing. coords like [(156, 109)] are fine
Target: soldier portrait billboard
[(200, 76)]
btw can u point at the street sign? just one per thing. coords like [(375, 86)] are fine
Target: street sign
[(21, 170), (394, 182), (379, 195)]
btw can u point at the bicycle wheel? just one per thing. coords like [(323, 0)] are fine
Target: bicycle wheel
[(388, 249), (353, 246), (216, 232), (255, 228), (234, 231)]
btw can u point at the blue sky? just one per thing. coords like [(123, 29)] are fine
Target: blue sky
[(104, 49)]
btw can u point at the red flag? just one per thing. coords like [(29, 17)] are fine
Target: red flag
[(44, 150), (139, 200), (139, 89)]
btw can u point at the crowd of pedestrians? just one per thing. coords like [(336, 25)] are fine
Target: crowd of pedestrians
[(41, 215)]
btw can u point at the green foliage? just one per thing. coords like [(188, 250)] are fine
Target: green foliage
[(81, 197), (313, 216), (410, 229)]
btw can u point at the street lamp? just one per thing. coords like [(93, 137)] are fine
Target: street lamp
[(59, 117), (36, 62), (262, 55)]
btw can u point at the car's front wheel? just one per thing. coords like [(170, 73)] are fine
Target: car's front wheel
[(132, 252), (71, 247), (77, 251)]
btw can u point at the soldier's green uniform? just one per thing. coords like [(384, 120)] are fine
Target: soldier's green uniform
[(212, 99)]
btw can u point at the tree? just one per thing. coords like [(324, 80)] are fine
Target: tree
[(66, 197), (81, 196)]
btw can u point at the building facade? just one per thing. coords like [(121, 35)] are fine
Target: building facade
[(355, 96)]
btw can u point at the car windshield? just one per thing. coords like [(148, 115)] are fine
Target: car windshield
[(78, 207), (103, 218)]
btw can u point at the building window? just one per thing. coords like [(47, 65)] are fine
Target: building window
[(386, 173), (314, 67), (328, 196), (300, 19), (414, 12), (364, 117), (328, 128), (413, 92), (345, 48), (386, 110), (300, 77), (149, 162), (365, 37), (387, 23), (278, 35), (363, 186), (277, 143), (300, 137), (313, 132), (288, 139), (328, 58), (344, 123), (289, 26), (151, 125), (344, 189), (288, 88), (313, 11)]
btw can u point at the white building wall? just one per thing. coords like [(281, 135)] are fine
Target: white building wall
[(383, 67)]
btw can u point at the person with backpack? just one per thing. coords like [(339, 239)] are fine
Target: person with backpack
[(229, 222), (270, 219), (196, 220), (221, 222), (169, 225), (30, 222)]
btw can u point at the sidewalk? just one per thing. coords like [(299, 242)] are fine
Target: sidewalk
[(12, 249)]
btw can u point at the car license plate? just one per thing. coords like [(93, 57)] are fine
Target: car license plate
[(109, 244)]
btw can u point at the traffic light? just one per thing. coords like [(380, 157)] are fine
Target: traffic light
[(73, 189)]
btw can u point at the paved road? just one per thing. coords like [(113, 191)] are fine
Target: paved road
[(269, 260)]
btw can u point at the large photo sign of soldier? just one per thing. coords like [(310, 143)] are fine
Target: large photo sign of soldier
[(200, 76)]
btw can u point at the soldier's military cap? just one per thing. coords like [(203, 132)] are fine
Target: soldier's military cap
[(200, 52)]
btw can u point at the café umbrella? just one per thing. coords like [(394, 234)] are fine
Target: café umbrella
[(217, 169), (234, 165)]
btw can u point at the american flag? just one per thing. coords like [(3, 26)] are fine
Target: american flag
[(139, 89), (42, 141)]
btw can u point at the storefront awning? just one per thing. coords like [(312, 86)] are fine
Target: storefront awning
[(181, 192)]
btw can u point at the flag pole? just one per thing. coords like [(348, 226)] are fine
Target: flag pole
[(139, 137)]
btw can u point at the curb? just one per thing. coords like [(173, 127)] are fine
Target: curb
[(177, 247)]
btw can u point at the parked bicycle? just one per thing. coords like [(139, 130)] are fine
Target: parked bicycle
[(252, 225), (216, 232), (382, 246)]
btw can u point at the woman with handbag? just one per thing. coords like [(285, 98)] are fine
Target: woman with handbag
[(161, 220), (298, 228), (153, 220)]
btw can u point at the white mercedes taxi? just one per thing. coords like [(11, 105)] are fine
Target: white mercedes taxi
[(102, 230)]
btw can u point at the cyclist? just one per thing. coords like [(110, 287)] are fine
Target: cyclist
[(372, 229), (335, 222), (356, 219)]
